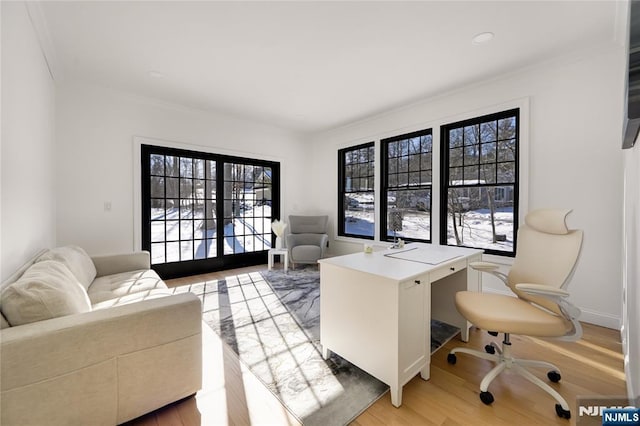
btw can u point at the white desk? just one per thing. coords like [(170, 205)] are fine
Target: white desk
[(376, 309)]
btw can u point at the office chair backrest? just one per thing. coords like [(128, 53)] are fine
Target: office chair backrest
[(547, 253)]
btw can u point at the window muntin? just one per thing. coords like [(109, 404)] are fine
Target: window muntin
[(356, 195), (407, 185), (479, 200)]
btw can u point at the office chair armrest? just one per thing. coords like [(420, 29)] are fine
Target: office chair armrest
[(489, 268), (484, 266), (542, 290)]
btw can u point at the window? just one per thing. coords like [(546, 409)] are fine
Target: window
[(406, 186), (356, 193), (200, 209), (479, 199)]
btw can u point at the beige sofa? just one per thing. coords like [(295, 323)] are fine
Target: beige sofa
[(94, 340)]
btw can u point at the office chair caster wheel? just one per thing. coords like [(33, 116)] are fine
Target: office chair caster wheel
[(562, 413), (490, 349), (487, 398), (451, 359), (554, 376)]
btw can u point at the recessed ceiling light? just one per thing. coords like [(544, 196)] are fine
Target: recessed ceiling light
[(482, 38), (155, 74)]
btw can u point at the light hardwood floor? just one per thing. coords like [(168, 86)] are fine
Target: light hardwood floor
[(231, 395)]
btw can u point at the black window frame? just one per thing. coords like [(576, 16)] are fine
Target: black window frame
[(445, 182), (385, 187), (221, 261), (342, 188)]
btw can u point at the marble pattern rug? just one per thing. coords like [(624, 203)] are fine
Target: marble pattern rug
[(272, 321)]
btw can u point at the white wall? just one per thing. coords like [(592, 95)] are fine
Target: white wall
[(95, 158), (630, 273), (28, 219), (575, 161)]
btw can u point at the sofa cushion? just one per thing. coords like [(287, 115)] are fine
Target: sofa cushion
[(76, 259), (118, 285), (46, 290), (306, 253), (132, 298)]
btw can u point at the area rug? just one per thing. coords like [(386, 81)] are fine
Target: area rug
[(271, 319)]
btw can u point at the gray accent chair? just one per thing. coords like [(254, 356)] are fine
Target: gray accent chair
[(307, 240)]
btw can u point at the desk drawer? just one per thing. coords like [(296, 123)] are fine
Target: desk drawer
[(447, 270)]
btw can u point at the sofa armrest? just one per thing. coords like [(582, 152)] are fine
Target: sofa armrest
[(107, 360), (113, 264)]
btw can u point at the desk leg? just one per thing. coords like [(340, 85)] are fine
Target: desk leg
[(325, 352), (396, 395), (425, 372)]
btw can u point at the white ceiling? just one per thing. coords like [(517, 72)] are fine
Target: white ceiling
[(311, 66)]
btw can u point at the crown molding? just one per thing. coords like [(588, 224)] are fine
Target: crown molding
[(39, 23)]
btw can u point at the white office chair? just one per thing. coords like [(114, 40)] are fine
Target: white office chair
[(547, 252)]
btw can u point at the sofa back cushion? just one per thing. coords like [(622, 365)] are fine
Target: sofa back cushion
[(46, 290), (76, 260)]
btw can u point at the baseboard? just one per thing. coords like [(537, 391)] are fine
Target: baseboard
[(589, 316)]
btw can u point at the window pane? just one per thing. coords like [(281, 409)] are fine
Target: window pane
[(186, 250), (471, 175), (455, 157), (199, 230), (157, 209), (173, 185), (455, 176), (359, 214), (506, 172), (211, 170), (173, 230), (171, 166), (186, 167), (471, 135), (488, 132), (414, 206), (471, 155), (173, 252), (212, 248), (507, 128), (488, 173), (472, 217), (157, 231), (186, 188), (157, 253), (157, 187), (186, 229), (198, 168), (488, 152), (200, 249), (507, 150), (455, 138), (157, 165)]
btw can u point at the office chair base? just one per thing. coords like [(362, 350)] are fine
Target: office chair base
[(504, 361)]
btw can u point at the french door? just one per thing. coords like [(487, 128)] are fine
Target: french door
[(204, 212)]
